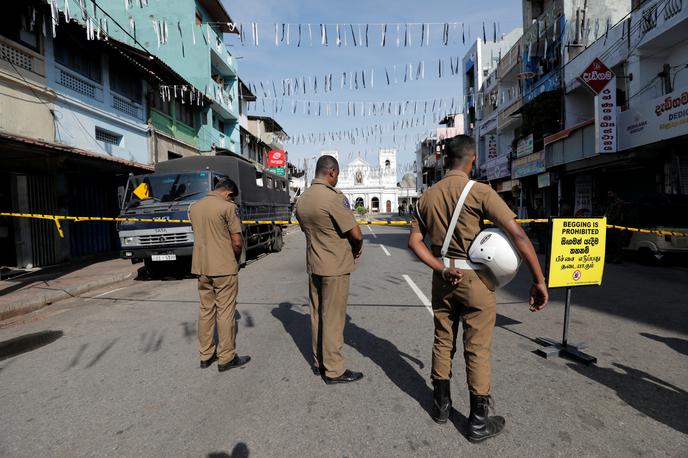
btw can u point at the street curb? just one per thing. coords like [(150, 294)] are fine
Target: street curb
[(48, 297)]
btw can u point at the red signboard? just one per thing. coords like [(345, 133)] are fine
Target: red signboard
[(597, 76), (277, 158)]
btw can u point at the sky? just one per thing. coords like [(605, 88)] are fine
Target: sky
[(267, 62)]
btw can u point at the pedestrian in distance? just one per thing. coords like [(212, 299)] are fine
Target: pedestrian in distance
[(217, 249), (461, 292), (333, 244)]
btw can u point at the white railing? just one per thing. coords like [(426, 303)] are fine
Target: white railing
[(127, 107), (23, 58), (79, 84)]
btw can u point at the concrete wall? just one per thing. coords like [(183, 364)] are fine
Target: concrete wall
[(25, 102)]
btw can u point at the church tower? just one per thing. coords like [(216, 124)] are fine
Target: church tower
[(388, 166)]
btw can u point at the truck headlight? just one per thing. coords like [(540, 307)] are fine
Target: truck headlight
[(127, 241)]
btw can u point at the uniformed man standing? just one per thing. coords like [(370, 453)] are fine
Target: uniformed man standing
[(217, 248), (333, 243), (461, 294)]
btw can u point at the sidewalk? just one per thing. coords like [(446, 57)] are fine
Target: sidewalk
[(24, 294)]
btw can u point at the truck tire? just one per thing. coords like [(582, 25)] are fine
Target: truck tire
[(277, 241)]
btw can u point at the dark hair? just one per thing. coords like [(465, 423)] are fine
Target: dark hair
[(225, 184), (459, 148), (325, 164)]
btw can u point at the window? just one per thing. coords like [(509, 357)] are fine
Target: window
[(105, 136), (387, 163), (259, 178), (184, 113), (268, 182), (11, 25), (199, 18), (160, 105), (172, 155), (124, 81), (73, 54)]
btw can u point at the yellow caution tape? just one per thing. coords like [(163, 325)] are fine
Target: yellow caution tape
[(57, 218)]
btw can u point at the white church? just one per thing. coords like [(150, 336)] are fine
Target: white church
[(374, 186)]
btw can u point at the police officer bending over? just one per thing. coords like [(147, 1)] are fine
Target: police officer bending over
[(462, 290), (333, 243), (217, 248)]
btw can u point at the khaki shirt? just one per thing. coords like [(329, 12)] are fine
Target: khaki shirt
[(213, 220), (436, 206), (325, 217)]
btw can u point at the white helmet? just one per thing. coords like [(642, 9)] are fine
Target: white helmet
[(493, 249)]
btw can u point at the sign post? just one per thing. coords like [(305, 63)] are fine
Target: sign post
[(576, 258)]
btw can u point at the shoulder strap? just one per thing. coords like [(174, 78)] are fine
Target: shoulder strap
[(455, 217)]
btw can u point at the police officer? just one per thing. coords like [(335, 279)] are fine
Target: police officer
[(333, 243), (217, 248), (461, 295)]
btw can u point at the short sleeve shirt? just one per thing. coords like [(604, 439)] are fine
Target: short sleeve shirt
[(213, 220), (436, 206), (325, 217)]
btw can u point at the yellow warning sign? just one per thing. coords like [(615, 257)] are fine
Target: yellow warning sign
[(577, 252), (142, 191)]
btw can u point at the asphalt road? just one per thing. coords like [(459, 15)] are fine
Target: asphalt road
[(115, 373)]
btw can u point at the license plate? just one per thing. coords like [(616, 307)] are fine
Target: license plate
[(164, 257)]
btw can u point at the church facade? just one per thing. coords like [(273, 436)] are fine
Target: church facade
[(373, 186)]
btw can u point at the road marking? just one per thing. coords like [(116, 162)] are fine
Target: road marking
[(105, 293), (385, 250), (419, 293), (371, 231)]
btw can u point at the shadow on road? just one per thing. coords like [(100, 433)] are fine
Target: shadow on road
[(644, 392), (240, 450), (676, 344), (26, 343), (393, 362)]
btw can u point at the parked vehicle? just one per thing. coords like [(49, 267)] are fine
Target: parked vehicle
[(661, 212), (167, 194)]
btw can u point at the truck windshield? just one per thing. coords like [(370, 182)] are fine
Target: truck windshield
[(166, 188)]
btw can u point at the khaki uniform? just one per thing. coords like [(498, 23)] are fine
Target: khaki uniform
[(471, 301), (325, 216), (213, 220)]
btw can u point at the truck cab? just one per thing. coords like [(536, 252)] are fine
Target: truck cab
[(159, 203)]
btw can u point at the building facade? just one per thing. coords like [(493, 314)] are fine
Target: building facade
[(91, 92), (372, 186)]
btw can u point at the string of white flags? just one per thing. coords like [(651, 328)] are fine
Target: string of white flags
[(360, 135), (380, 34), (356, 109), (355, 80)]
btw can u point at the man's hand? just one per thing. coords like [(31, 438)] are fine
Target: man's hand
[(452, 275), (358, 254), (538, 297)]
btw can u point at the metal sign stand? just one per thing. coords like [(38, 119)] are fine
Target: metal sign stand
[(550, 347)]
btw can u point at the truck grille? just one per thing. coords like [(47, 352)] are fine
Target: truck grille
[(164, 239)]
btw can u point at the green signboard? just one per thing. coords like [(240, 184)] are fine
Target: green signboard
[(277, 170)]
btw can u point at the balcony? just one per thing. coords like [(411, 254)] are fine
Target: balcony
[(220, 57), (78, 84), (224, 100), (510, 61), (663, 23), (126, 106), (28, 62)]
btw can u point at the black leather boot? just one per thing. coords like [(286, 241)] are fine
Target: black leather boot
[(441, 406), (480, 425)]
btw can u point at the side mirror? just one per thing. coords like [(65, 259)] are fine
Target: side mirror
[(120, 195)]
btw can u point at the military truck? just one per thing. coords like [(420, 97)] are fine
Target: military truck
[(165, 196)]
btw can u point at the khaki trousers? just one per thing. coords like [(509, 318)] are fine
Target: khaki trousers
[(328, 296), (218, 303), (474, 304)]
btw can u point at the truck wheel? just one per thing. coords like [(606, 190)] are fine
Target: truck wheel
[(152, 269), (277, 241)]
